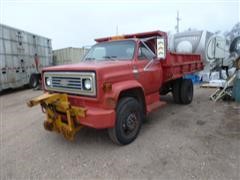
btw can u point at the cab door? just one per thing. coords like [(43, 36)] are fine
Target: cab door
[(147, 69)]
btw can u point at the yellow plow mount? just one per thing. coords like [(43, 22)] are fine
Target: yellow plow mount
[(60, 114)]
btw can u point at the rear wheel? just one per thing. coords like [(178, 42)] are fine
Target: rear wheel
[(176, 87), (128, 121), (186, 91), (34, 81)]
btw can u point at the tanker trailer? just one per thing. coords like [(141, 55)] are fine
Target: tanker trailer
[(211, 47)]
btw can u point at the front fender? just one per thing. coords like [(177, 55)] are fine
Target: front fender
[(111, 98)]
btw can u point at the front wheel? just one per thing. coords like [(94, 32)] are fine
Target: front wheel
[(128, 121)]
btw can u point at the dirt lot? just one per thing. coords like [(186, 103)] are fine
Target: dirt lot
[(198, 141)]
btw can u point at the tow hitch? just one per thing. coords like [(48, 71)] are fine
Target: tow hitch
[(60, 114)]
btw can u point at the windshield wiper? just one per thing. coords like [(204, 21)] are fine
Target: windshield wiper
[(110, 57)]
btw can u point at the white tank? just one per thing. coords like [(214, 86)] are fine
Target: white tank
[(184, 47), (197, 39), (211, 47)]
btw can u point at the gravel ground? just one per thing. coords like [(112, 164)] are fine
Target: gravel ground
[(197, 141)]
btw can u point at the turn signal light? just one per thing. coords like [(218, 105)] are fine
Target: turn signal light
[(107, 87)]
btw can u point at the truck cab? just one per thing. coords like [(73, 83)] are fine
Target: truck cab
[(116, 85)]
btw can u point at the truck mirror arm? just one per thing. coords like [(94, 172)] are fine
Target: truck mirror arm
[(152, 60), (149, 64), (154, 55)]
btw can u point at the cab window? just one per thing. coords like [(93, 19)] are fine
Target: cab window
[(144, 53)]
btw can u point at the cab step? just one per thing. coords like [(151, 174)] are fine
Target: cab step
[(155, 106)]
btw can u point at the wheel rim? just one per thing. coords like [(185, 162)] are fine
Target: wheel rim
[(130, 125)]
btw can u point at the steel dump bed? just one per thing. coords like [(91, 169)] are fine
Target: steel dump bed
[(177, 65)]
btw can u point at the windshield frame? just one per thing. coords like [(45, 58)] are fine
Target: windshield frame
[(105, 42)]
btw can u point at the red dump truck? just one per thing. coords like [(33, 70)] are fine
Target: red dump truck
[(117, 84)]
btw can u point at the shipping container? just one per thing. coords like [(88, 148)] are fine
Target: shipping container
[(22, 57), (68, 55)]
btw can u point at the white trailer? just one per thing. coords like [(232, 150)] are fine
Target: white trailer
[(22, 57)]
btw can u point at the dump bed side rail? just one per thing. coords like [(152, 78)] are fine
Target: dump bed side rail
[(177, 65)]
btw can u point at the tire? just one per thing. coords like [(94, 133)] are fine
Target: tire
[(128, 121), (176, 88), (186, 91), (34, 81)]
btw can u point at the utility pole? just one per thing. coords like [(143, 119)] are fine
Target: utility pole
[(178, 19), (117, 30)]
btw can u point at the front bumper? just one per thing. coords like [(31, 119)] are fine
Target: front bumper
[(66, 119), (98, 118)]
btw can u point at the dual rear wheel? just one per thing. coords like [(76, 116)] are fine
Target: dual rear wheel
[(182, 91)]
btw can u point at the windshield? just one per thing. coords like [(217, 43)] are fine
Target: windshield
[(115, 50)]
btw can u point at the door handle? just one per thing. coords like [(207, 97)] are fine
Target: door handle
[(135, 72)]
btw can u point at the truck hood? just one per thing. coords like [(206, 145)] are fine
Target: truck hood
[(89, 66), (107, 70)]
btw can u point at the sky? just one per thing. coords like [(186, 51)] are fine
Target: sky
[(75, 23)]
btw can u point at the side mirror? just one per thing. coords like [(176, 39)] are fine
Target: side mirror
[(161, 48)]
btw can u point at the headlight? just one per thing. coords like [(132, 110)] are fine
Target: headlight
[(87, 84), (48, 81)]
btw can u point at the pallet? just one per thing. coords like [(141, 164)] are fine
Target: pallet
[(208, 85)]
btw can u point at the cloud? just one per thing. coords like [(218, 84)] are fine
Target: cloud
[(77, 23)]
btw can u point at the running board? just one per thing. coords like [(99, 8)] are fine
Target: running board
[(155, 106)]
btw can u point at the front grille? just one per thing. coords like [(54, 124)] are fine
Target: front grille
[(70, 82), (67, 82)]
